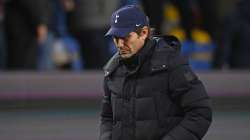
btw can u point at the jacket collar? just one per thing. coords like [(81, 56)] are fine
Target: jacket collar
[(136, 60), (112, 64), (164, 56)]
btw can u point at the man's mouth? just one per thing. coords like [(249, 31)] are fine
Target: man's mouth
[(123, 52)]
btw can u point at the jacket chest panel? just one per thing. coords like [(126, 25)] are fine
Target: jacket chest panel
[(152, 85), (143, 86)]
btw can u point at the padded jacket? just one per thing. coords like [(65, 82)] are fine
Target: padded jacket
[(154, 96)]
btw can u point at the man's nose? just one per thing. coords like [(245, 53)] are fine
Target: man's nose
[(120, 42)]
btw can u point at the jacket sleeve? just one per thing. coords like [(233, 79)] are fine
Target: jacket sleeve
[(190, 95), (106, 115)]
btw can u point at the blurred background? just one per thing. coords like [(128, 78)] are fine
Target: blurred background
[(52, 53)]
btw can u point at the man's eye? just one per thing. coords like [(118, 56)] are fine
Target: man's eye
[(127, 37)]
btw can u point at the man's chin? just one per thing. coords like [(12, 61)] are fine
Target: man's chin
[(126, 56)]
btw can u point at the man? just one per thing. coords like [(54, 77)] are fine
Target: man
[(150, 91)]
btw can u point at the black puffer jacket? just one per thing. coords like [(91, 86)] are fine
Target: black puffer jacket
[(153, 96)]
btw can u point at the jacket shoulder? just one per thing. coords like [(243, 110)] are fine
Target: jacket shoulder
[(167, 52)]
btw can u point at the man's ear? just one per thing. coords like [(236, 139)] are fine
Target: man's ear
[(145, 32)]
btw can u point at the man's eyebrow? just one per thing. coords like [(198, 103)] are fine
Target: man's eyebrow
[(127, 36)]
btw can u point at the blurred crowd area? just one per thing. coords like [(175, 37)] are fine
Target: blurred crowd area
[(46, 35)]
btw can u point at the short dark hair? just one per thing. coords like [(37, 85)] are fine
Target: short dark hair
[(139, 30)]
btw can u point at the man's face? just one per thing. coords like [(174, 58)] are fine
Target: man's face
[(129, 45)]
